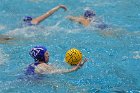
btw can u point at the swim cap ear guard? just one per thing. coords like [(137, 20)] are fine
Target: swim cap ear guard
[(89, 14), (37, 53), (27, 19)]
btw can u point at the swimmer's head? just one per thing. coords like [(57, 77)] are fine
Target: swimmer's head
[(27, 19), (39, 53), (89, 14)]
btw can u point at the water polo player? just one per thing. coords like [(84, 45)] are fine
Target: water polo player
[(88, 18), (40, 65)]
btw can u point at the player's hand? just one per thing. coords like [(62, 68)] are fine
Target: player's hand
[(85, 60), (63, 6)]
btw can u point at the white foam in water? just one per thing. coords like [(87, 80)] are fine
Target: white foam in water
[(73, 30), (2, 27), (42, 1), (27, 32), (3, 57), (87, 8), (136, 55)]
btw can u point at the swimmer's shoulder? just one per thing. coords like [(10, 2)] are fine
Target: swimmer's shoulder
[(84, 21)]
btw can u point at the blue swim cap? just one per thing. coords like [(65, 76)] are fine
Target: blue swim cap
[(27, 18), (38, 53), (89, 14)]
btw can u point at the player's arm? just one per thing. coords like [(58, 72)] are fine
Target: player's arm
[(75, 68), (47, 14)]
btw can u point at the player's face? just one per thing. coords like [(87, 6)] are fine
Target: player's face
[(46, 56)]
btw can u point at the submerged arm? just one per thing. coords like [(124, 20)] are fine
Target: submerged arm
[(5, 37), (73, 18), (47, 14)]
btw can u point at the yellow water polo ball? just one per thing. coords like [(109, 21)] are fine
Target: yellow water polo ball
[(73, 56)]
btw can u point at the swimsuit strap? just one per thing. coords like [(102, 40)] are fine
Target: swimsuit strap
[(31, 68)]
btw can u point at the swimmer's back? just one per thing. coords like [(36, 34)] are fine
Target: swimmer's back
[(98, 23)]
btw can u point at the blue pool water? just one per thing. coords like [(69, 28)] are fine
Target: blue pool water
[(114, 53)]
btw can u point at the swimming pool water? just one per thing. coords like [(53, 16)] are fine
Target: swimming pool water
[(114, 53)]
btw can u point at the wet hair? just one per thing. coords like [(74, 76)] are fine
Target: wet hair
[(89, 14), (37, 53), (27, 18)]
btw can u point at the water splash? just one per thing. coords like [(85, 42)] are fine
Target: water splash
[(136, 54), (27, 32), (3, 57), (2, 27)]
